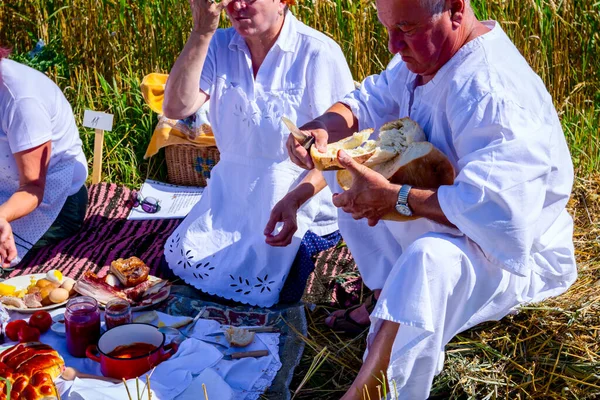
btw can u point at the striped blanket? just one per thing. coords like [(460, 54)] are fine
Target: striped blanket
[(105, 236)]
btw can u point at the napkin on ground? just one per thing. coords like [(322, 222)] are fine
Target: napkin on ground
[(248, 377)]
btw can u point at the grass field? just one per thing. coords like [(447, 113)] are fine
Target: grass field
[(99, 50)]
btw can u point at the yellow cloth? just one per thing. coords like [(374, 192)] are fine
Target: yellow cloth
[(169, 132)]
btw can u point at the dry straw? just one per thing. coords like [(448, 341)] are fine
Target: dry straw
[(549, 350)]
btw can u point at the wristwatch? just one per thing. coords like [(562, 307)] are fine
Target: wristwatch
[(402, 202)]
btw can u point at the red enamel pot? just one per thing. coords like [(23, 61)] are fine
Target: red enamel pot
[(128, 335)]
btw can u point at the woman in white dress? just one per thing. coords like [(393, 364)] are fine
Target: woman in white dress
[(266, 66), (42, 166)]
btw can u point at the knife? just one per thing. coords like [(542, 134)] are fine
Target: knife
[(257, 329), (305, 140), (246, 354)]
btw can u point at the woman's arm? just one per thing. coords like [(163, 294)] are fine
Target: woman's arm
[(286, 209), (182, 94)]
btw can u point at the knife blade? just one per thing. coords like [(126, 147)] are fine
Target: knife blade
[(245, 354), (257, 329), (187, 329), (305, 140)]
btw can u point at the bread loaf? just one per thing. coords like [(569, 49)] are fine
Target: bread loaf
[(31, 369), (408, 160)]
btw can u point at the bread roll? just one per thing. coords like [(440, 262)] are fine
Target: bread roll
[(239, 337), (358, 146)]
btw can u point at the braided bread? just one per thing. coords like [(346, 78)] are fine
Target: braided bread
[(31, 369)]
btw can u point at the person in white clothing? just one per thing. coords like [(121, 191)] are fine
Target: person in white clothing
[(499, 236), (266, 66), (42, 166)]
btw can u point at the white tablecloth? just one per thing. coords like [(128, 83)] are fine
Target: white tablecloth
[(182, 376)]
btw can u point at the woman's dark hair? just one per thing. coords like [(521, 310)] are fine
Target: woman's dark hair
[(4, 52)]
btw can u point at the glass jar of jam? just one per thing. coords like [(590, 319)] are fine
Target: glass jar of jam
[(117, 312), (82, 324)]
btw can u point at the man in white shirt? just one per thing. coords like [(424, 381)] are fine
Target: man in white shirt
[(43, 169), (499, 236)]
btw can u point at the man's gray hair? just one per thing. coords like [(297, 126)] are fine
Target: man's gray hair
[(436, 6)]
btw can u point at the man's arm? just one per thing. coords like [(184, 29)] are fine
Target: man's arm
[(33, 166)]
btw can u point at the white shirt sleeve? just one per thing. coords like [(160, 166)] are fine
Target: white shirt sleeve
[(504, 157), (28, 124), (373, 104), (328, 79)]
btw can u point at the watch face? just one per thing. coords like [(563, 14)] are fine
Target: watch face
[(404, 210)]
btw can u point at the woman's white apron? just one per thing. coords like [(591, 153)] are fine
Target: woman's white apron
[(220, 247)]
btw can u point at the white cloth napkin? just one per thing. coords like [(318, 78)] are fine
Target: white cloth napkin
[(248, 377), (91, 389), (216, 387)]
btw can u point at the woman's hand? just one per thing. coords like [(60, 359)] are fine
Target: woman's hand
[(205, 14), (285, 211), (8, 250)]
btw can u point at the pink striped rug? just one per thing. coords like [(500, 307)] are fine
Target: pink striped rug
[(105, 236)]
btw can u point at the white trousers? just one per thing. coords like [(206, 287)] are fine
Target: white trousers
[(440, 285)]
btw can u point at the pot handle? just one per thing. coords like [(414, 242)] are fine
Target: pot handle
[(91, 352), (169, 350)]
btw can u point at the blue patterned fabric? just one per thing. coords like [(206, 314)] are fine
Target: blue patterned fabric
[(304, 264)]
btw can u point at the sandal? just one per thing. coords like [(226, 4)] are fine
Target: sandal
[(346, 324)]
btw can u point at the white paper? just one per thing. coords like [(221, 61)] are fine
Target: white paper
[(97, 120), (175, 201)]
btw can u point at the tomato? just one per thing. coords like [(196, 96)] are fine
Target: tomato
[(41, 320), (29, 334), (13, 328)]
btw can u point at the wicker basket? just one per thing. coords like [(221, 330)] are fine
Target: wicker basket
[(190, 165)]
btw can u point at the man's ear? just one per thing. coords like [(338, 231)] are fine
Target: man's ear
[(457, 12)]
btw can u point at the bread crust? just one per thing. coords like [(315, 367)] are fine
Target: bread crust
[(329, 162), (31, 368), (130, 272), (421, 165)]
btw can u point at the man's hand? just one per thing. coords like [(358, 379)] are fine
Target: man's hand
[(298, 154), (371, 195), (8, 250), (284, 211)]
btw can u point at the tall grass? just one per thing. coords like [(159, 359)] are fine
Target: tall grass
[(109, 45)]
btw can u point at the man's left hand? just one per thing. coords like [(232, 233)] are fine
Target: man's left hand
[(371, 195)]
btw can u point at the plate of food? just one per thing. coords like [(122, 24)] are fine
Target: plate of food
[(35, 292), (127, 279)]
